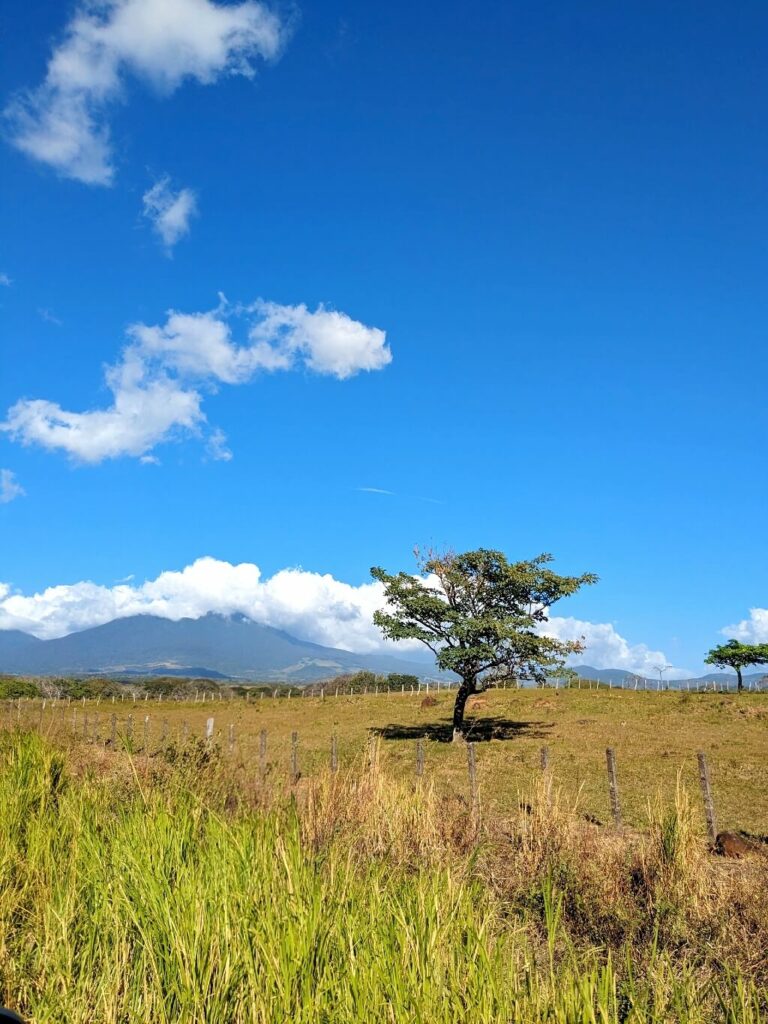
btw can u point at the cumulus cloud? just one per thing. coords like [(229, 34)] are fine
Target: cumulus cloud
[(158, 384), (309, 605), (753, 630), (169, 212), (326, 341), (10, 488), (64, 121), (606, 648)]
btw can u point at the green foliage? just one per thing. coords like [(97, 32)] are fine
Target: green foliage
[(736, 655), (479, 613), (12, 687), (396, 680)]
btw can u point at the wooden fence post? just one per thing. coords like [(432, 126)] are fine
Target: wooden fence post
[(113, 733), (472, 768), (706, 792), (419, 758), (334, 753), (129, 729), (209, 731), (262, 754), (613, 785), (294, 757), (547, 775), (231, 738)]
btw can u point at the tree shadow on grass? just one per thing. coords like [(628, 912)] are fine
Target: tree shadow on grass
[(477, 730)]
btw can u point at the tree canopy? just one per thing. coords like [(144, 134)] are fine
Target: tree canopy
[(738, 656), (479, 614)]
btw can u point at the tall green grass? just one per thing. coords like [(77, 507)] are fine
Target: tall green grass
[(133, 901)]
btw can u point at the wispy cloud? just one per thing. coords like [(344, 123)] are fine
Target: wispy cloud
[(49, 317), (169, 212), (64, 122), (5, 280), (10, 488), (394, 494)]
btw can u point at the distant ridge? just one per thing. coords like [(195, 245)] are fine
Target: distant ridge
[(621, 675), (216, 646)]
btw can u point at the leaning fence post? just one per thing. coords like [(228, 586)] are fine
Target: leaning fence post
[(262, 754), (419, 758), (706, 792), (613, 785), (334, 753), (294, 757), (472, 768)]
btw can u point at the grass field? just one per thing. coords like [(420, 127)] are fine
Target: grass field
[(178, 887), (654, 735)]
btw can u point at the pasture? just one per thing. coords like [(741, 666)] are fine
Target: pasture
[(654, 736)]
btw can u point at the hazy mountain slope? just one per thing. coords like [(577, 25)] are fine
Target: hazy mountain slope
[(232, 646)]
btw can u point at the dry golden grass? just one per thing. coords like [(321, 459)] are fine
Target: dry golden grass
[(655, 736)]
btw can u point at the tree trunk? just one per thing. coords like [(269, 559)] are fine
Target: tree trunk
[(741, 681), (465, 690)]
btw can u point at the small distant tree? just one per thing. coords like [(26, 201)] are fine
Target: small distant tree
[(738, 656), (479, 614)]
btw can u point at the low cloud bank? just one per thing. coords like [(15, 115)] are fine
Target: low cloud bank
[(312, 606)]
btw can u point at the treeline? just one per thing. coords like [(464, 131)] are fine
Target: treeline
[(92, 688), (176, 688), (366, 682)]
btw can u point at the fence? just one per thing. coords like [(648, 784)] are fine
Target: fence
[(137, 733)]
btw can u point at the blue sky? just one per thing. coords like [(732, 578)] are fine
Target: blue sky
[(556, 215)]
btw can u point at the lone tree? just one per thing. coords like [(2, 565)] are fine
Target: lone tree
[(478, 613), (738, 656)]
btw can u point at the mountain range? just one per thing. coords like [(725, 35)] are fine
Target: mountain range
[(214, 646), (220, 647)]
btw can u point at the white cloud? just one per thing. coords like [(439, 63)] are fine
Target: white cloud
[(753, 630), (217, 447), (10, 488), (327, 341), (5, 280), (309, 605), (606, 648), (159, 381), (170, 212), (64, 121), (375, 490), (147, 408)]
